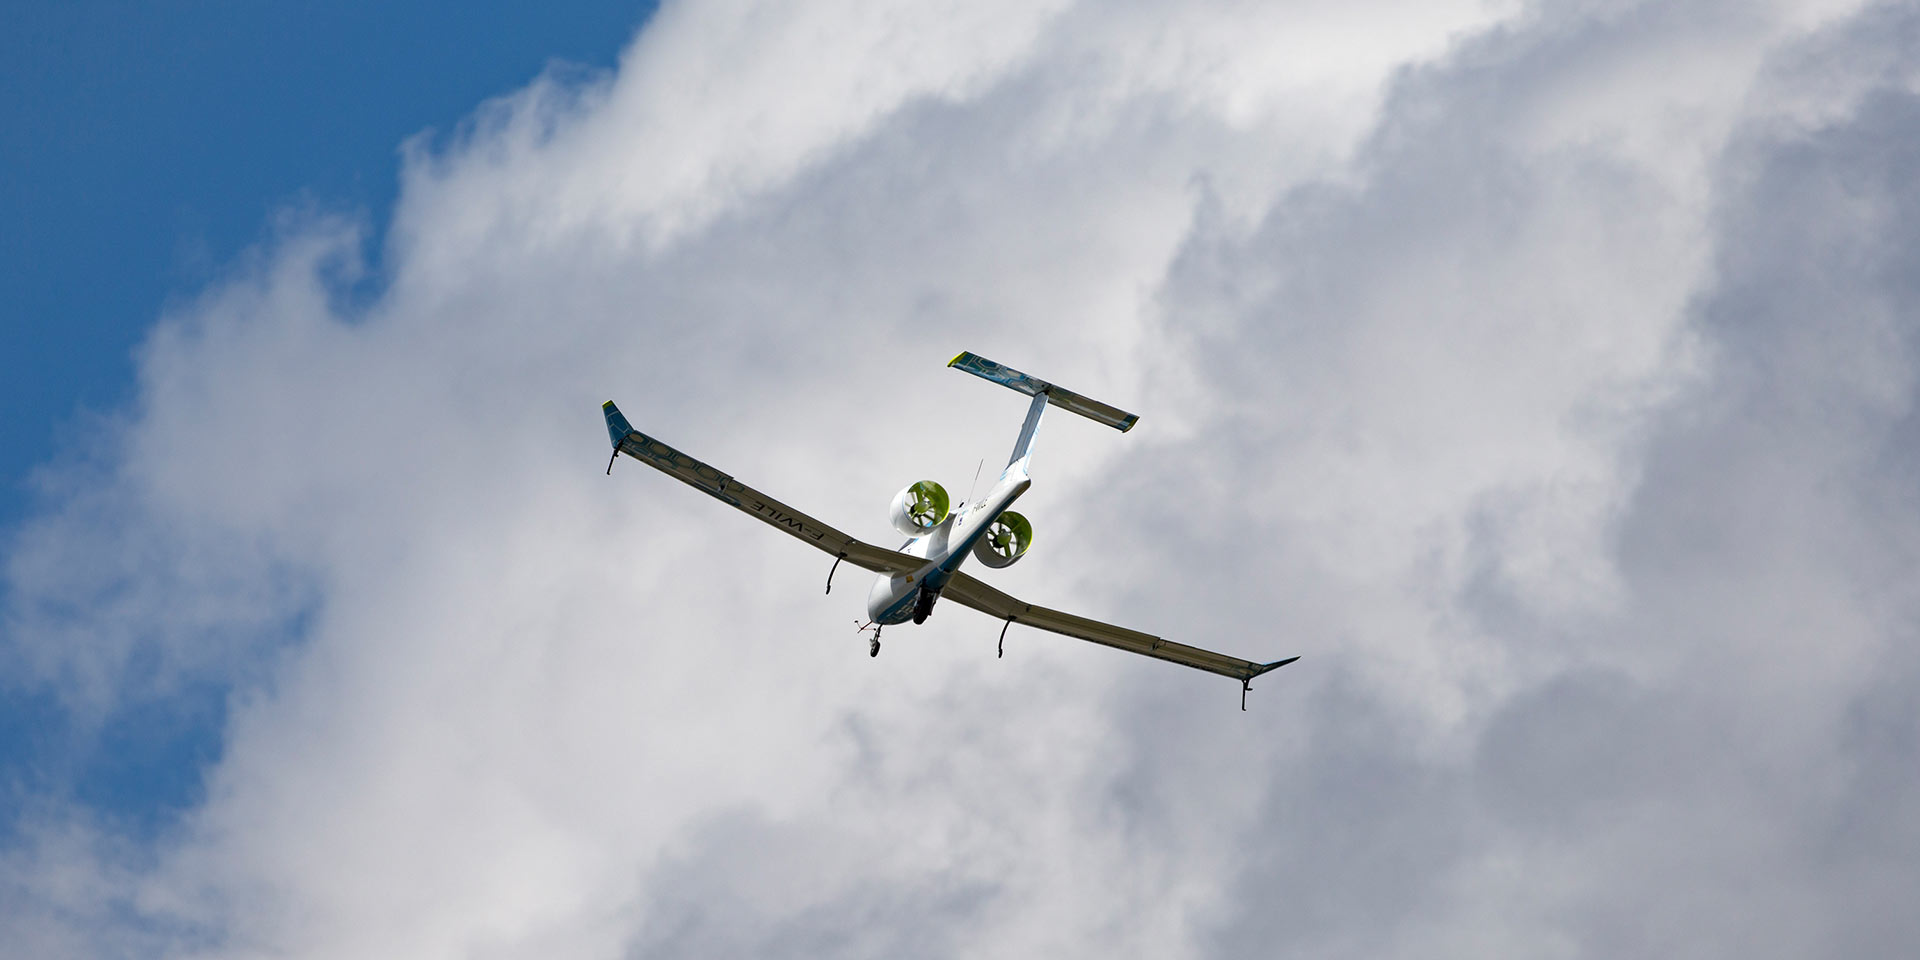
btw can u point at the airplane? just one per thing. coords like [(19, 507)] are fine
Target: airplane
[(927, 567)]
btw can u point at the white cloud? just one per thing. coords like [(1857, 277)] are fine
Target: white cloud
[(1541, 372)]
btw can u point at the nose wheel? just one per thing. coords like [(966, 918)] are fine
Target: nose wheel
[(873, 643)]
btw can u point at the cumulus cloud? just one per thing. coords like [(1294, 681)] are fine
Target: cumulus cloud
[(1544, 373)]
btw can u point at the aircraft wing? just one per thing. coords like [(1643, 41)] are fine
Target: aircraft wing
[(972, 593), (752, 502)]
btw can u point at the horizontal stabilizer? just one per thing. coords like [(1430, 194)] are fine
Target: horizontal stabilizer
[(1058, 396)]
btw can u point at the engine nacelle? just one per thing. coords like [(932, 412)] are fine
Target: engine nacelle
[(1006, 540), (919, 508)]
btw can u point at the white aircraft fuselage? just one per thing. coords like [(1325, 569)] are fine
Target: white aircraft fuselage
[(894, 598)]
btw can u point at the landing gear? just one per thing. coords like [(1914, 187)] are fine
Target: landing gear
[(923, 607), (830, 570), (873, 650)]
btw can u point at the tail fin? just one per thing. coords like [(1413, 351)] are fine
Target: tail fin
[(1029, 431), (1058, 396)]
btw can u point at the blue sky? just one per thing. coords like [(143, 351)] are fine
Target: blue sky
[(146, 144)]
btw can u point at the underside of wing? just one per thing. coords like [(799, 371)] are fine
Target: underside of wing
[(972, 593), (738, 495)]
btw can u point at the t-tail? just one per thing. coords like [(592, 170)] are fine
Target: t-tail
[(1043, 393)]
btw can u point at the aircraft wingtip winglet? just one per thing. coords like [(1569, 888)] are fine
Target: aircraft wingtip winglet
[(1246, 682), (1275, 665), (956, 358), (617, 425)]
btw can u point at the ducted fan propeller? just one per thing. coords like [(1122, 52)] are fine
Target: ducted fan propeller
[(1005, 541), (919, 508)]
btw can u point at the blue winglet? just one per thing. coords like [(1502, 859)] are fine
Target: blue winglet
[(1246, 682), (1264, 667), (617, 425)]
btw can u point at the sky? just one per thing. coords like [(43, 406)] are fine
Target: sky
[(148, 145), (1543, 374), (148, 150)]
